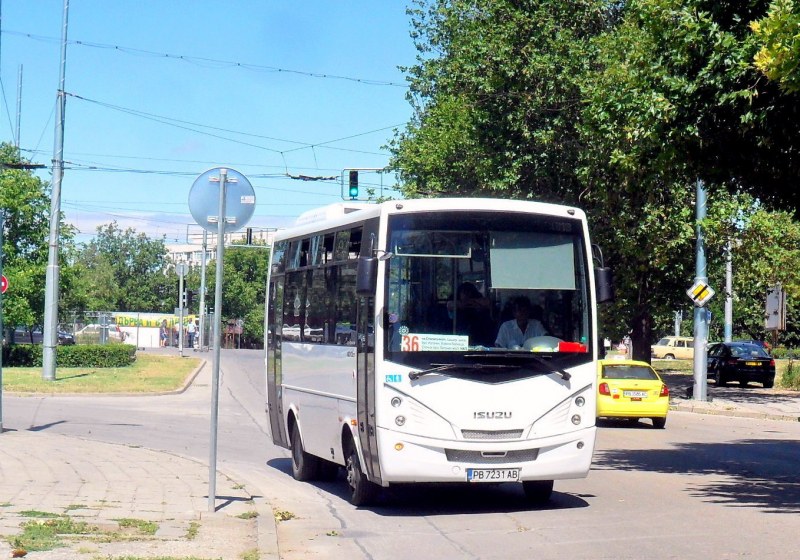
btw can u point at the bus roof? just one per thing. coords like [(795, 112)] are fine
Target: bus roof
[(342, 213)]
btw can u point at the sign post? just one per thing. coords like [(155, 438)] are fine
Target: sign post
[(235, 204)]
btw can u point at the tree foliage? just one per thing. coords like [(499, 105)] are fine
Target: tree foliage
[(778, 34), (25, 199), (617, 107), (122, 270)]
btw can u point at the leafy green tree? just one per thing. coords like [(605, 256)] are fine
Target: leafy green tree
[(765, 251), (778, 34), (496, 98), (244, 278), (617, 107), (25, 199), (124, 271)]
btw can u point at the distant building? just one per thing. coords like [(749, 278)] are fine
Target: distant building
[(192, 251)]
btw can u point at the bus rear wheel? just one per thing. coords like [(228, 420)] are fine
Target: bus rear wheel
[(538, 491), (362, 491), (304, 465)]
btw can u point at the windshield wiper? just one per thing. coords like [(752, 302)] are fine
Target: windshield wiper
[(468, 367), (565, 375)]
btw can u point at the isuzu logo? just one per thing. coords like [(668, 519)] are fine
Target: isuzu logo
[(491, 415)]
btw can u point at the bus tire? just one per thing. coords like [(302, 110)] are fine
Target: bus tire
[(538, 491), (304, 466), (362, 491)]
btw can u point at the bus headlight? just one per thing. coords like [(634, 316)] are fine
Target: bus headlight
[(580, 401), (576, 419), (396, 401), (400, 420)]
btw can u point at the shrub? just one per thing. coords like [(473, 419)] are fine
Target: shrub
[(781, 353), (791, 376), (90, 355)]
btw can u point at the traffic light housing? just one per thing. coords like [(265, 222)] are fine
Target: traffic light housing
[(353, 191), (189, 295)]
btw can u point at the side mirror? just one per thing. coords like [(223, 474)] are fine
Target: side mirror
[(604, 284), (366, 276)]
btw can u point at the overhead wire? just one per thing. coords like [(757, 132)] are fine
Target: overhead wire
[(219, 63)]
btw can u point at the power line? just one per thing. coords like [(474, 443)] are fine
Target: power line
[(218, 63), (187, 125)]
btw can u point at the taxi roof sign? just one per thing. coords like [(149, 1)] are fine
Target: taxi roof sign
[(700, 293)]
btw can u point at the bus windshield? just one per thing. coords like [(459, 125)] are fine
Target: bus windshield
[(486, 282)]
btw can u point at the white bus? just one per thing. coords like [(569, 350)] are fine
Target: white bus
[(384, 353)]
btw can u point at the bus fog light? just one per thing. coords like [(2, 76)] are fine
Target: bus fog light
[(576, 419), (580, 445), (580, 401), (398, 446), (396, 401), (400, 420)]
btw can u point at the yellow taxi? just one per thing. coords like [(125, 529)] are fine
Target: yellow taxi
[(631, 389)]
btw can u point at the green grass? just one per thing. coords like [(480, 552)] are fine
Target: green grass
[(46, 535), (148, 374)]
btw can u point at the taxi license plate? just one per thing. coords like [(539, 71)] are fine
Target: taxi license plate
[(492, 475), (634, 394), (752, 364)]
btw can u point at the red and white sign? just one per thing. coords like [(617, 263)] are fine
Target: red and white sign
[(4, 284)]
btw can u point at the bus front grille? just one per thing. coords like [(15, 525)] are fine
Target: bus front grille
[(502, 434), (481, 458)]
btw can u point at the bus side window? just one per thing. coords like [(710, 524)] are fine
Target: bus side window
[(279, 256), (346, 305), (316, 309), (294, 306)]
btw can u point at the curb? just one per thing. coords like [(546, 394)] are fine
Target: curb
[(734, 413)]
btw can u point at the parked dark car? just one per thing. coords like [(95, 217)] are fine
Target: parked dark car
[(740, 361), (34, 336)]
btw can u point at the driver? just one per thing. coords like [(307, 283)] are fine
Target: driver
[(515, 332)]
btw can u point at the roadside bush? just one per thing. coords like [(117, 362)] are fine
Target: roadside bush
[(90, 355), (782, 353), (791, 376)]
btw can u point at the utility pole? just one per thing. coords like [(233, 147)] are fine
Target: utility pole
[(203, 290), (19, 106), (700, 314), (728, 334), (50, 331), (2, 331)]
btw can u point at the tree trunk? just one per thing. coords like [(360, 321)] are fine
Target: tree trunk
[(642, 330)]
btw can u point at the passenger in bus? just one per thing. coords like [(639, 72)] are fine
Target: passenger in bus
[(513, 333), (473, 314)]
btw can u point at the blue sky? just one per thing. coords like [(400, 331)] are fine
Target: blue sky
[(160, 91)]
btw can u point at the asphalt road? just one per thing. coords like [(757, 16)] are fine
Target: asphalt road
[(706, 487)]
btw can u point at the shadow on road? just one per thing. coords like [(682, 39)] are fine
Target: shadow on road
[(751, 472)]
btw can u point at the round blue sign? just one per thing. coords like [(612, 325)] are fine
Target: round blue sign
[(240, 199)]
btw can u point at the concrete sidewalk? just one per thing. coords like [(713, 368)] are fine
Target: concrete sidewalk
[(102, 483)]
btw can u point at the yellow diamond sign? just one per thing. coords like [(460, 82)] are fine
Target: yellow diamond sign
[(700, 293)]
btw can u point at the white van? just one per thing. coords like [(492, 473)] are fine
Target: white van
[(672, 348)]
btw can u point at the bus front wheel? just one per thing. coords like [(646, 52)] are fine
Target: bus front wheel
[(538, 491), (362, 491), (304, 465)]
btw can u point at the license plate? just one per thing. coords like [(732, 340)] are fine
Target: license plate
[(752, 364), (492, 475), (634, 394)]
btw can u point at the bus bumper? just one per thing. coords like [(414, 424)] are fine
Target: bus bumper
[(407, 458)]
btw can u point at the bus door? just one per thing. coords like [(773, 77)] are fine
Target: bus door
[(365, 392), (274, 365)]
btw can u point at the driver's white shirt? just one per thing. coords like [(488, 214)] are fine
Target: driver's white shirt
[(511, 335)]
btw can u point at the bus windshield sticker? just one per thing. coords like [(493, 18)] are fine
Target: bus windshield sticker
[(434, 343)]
